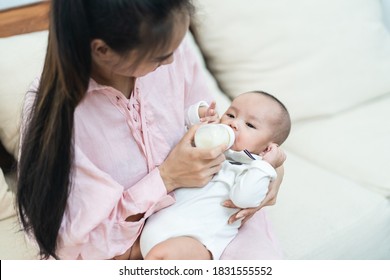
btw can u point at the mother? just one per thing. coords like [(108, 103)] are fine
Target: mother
[(104, 141)]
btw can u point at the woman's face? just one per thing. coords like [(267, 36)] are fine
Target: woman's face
[(124, 65)]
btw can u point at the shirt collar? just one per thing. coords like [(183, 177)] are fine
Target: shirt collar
[(240, 156), (94, 86)]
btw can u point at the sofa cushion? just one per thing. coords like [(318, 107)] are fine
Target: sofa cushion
[(223, 101), (354, 143), (22, 60), (319, 57), (13, 242), (322, 215)]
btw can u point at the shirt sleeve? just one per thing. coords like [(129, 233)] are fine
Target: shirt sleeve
[(251, 185), (192, 116), (94, 225)]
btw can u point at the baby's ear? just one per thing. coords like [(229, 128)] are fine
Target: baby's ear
[(267, 149)]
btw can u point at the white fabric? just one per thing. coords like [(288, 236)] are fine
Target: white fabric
[(193, 113), (321, 215), (12, 241), (222, 100), (22, 59), (354, 143), (198, 212), (318, 57), (13, 245)]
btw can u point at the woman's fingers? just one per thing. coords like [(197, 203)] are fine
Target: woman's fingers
[(243, 215), (228, 203), (273, 189), (188, 166), (212, 154), (188, 138)]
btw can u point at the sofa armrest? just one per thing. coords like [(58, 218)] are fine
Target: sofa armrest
[(25, 19)]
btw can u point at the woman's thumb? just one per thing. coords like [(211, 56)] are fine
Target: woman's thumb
[(189, 136)]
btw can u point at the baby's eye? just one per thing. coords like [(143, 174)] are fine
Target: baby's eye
[(250, 125), (230, 116)]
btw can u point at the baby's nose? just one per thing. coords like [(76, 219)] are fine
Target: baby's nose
[(234, 124)]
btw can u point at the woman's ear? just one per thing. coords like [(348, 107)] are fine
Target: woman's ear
[(100, 50)]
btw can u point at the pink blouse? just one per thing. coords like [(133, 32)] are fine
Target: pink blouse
[(119, 143)]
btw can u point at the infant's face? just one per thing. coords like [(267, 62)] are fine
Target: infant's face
[(251, 115)]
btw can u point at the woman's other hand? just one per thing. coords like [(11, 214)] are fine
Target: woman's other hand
[(274, 155), (188, 166)]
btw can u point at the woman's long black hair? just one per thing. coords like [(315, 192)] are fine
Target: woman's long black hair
[(47, 152)]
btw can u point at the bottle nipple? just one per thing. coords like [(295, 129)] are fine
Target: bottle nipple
[(212, 135)]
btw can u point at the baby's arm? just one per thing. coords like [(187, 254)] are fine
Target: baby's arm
[(251, 186), (275, 156)]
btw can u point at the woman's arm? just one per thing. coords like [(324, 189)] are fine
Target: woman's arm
[(98, 221)]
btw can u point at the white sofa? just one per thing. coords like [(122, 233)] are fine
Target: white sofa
[(329, 62)]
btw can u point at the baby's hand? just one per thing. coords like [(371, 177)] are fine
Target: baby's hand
[(209, 114), (274, 155)]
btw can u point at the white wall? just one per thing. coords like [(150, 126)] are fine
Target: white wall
[(7, 4), (386, 12)]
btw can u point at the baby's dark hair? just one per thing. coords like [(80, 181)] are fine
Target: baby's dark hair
[(283, 121)]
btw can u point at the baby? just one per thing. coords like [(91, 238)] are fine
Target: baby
[(196, 226)]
